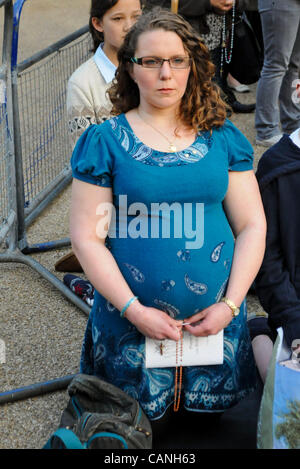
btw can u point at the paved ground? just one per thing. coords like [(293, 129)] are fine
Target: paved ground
[(46, 21), (41, 329)]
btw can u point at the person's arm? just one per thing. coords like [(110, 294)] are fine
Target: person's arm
[(88, 244), (244, 210), (273, 286), (245, 213), (80, 111)]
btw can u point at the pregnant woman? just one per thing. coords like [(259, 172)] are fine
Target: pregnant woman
[(166, 220)]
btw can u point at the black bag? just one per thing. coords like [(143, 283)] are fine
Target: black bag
[(247, 55), (100, 416)]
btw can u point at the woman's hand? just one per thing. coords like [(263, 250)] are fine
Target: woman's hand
[(153, 323), (210, 320)]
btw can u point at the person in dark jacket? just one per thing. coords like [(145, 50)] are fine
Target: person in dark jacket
[(278, 281), (203, 16)]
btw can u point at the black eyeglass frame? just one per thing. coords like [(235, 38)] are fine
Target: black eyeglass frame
[(139, 61)]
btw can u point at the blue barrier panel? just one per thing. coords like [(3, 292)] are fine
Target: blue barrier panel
[(7, 179)]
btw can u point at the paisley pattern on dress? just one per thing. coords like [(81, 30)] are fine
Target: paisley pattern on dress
[(133, 356), (216, 254), (196, 287), (140, 152), (163, 273), (221, 291), (171, 310), (184, 255), (204, 388), (136, 273), (167, 285), (110, 307)]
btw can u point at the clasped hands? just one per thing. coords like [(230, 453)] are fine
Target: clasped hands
[(158, 325)]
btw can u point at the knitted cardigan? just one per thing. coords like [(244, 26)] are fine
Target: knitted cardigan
[(87, 101)]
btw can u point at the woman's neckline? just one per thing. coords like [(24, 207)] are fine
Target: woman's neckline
[(151, 148)]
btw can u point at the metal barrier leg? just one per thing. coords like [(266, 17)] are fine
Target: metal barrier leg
[(34, 390), (43, 247), (17, 256)]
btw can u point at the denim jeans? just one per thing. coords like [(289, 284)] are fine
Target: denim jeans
[(274, 104)]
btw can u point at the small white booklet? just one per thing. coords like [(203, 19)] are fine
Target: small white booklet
[(195, 351)]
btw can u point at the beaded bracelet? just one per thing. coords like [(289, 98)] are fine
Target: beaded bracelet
[(127, 306)]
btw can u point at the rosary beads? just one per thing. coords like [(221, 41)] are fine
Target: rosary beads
[(225, 55)]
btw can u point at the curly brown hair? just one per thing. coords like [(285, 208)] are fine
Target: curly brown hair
[(201, 106)]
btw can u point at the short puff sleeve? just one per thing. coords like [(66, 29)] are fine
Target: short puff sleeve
[(240, 151), (91, 159)]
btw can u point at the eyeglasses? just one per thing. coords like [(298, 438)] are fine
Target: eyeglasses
[(156, 62)]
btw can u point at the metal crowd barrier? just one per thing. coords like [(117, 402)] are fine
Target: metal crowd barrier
[(34, 146), (34, 152), (8, 210)]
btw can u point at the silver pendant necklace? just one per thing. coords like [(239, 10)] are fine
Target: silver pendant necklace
[(172, 147)]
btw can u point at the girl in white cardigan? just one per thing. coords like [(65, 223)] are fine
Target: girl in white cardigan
[(87, 102)]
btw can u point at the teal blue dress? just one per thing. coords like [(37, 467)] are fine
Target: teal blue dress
[(174, 246)]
